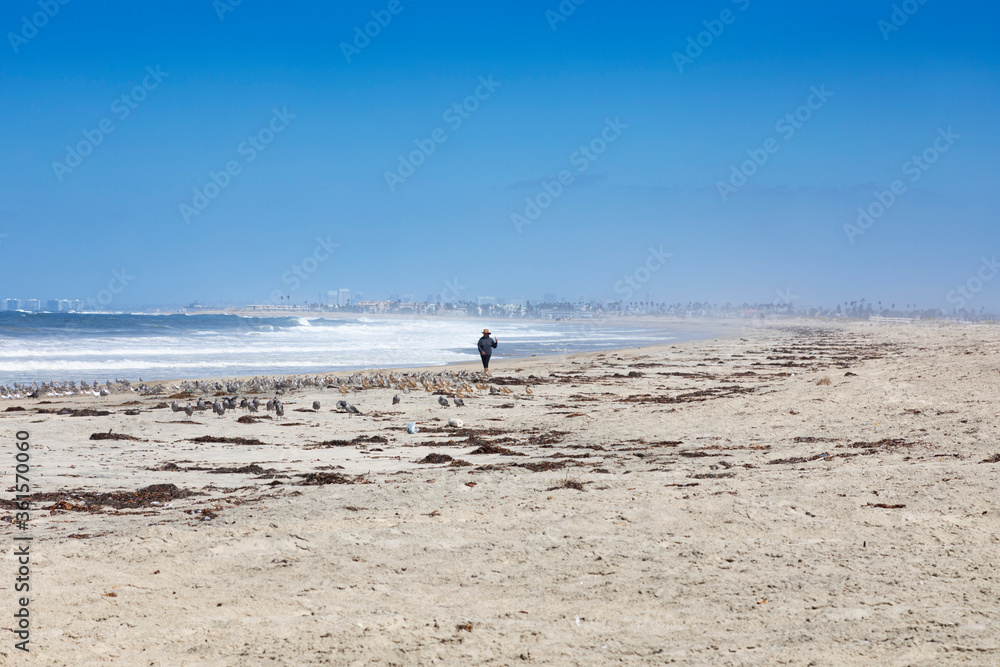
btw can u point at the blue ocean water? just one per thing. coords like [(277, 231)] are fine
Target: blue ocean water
[(87, 347)]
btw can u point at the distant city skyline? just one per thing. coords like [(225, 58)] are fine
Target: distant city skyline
[(340, 299)]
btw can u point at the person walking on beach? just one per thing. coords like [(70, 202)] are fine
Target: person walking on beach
[(486, 345)]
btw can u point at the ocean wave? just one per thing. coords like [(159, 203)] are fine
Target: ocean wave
[(36, 346)]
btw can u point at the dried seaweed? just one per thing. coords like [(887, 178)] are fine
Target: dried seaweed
[(113, 436), (800, 459), (359, 440), (698, 454), (436, 458), (251, 419), (228, 441), (494, 449), (542, 466), (884, 443), (87, 501), (324, 478), (84, 412), (568, 484)]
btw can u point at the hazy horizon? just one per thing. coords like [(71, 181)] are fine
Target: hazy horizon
[(725, 152)]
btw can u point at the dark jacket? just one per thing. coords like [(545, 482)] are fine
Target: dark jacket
[(486, 345)]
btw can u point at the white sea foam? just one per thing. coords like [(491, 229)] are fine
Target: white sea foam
[(100, 347)]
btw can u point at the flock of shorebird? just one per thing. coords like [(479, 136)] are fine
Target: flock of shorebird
[(457, 386)]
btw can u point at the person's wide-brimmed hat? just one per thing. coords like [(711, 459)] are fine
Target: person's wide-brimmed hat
[(486, 331)]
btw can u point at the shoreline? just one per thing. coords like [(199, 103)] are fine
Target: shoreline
[(472, 366)]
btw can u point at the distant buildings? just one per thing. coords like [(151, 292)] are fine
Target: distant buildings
[(374, 306), (417, 308), (35, 305), (270, 306), (340, 298), (486, 301), (63, 305)]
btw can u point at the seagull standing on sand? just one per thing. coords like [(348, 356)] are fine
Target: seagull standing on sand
[(443, 402), (353, 410), (279, 409), (188, 410), (316, 406), (342, 405), (459, 402), (174, 407)]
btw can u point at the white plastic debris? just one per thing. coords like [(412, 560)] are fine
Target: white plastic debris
[(411, 428), (457, 423)]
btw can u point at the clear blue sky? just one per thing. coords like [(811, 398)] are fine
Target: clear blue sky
[(656, 185)]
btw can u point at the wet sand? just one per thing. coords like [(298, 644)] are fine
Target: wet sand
[(804, 494)]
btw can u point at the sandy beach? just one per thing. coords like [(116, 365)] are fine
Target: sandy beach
[(790, 493)]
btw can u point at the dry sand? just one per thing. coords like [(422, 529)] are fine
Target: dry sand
[(705, 503)]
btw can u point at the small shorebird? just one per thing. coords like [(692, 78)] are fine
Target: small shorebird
[(395, 399), (459, 402), (316, 406)]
